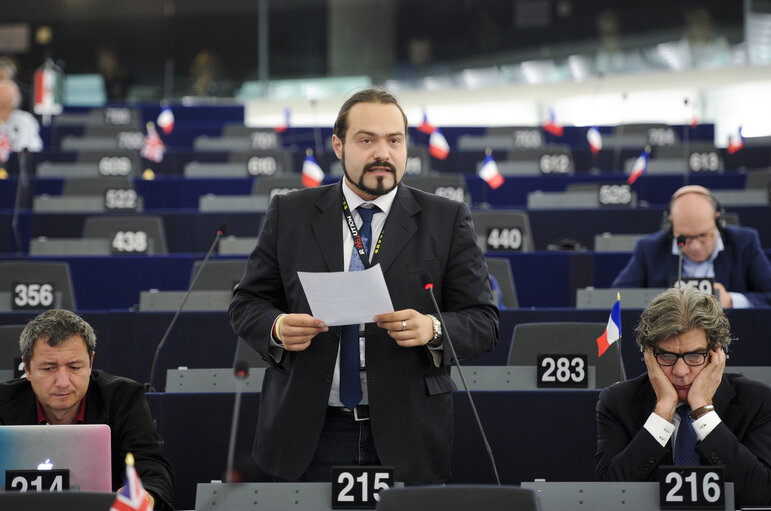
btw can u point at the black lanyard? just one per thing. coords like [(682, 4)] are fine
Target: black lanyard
[(358, 243)]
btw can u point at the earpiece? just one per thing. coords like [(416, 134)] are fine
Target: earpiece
[(720, 222)]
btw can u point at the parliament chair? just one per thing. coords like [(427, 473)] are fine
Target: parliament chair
[(567, 338), (115, 227), (459, 498), (9, 350), (218, 274), (503, 230), (27, 273), (500, 270), (95, 185)]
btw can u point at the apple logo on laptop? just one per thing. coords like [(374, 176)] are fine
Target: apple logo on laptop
[(46, 465)]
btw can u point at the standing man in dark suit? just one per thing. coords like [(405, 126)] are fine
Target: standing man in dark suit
[(686, 400), (732, 255), (399, 410)]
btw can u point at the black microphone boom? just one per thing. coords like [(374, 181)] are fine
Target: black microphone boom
[(446, 337), (241, 372), (149, 387), (681, 241)]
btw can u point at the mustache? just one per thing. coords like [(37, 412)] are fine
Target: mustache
[(368, 167)]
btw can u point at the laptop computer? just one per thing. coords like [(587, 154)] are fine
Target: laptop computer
[(84, 449)]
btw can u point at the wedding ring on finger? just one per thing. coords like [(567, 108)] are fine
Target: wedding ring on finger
[(404, 325)]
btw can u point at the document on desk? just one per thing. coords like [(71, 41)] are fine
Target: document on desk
[(346, 297)]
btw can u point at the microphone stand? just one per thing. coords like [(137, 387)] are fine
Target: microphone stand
[(446, 335), (149, 387), (681, 240)]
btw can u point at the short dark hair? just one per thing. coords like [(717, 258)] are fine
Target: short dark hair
[(677, 311), (55, 326), (373, 95)]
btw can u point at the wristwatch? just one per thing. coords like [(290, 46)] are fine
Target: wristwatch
[(437, 340), (699, 412)]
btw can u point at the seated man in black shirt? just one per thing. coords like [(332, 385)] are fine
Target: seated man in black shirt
[(60, 387)]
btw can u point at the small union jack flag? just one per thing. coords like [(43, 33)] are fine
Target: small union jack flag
[(152, 148), (131, 496)]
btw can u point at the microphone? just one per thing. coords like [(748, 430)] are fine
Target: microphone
[(241, 372), (221, 230), (446, 338), (681, 240)]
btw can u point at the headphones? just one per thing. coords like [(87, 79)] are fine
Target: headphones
[(720, 222)]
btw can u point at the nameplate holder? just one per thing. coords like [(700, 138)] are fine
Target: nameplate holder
[(358, 487), (557, 370)]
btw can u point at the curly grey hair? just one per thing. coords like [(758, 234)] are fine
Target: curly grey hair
[(677, 311)]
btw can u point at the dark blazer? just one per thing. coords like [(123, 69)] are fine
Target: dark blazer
[(121, 404), (425, 237), (741, 442), (741, 266)]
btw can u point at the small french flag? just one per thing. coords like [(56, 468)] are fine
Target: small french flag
[(312, 173), (281, 128), (489, 171), (594, 138), (425, 126), (438, 146), (640, 165), (612, 332), (735, 142), (552, 127), (166, 119)]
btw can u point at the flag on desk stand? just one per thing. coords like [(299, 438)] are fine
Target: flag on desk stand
[(612, 332), (552, 127), (489, 171), (166, 119), (640, 165), (5, 146), (594, 138), (281, 128), (131, 496), (312, 173), (735, 142), (425, 126), (438, 146), (152, 147)]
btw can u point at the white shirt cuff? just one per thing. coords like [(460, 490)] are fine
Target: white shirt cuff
[(660, 428), (739, 301), (705, 424)]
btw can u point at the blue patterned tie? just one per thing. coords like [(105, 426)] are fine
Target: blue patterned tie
[(350, 385), (685, 445)]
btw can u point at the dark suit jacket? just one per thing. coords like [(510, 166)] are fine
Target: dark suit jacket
[(120, 403), (425, 237), (741, 267), (741, 442)]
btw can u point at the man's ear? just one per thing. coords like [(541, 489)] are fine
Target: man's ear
[(337, 145), (91, 361), (26, 367)]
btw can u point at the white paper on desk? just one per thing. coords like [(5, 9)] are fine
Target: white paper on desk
[(346, 297)]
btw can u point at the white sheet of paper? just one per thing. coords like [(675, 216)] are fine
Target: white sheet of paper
[(346, 297)]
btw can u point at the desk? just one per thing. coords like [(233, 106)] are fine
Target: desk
[(196, 429)]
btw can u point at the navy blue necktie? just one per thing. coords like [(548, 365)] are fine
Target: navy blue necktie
[(685, 444), (350, 385)]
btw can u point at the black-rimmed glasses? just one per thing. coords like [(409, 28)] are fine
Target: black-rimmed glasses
[(665, 358)]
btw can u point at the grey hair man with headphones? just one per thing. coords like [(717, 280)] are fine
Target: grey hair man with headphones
[(731, 255)]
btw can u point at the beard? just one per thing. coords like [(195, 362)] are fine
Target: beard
[(380, 188)]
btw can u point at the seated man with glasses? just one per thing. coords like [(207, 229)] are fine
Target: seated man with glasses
[(685, 410), (731, 255)]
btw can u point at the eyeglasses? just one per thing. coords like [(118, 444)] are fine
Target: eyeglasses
[(701, 238), (667, 359)]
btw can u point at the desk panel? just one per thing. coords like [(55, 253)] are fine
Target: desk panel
[(196, 429)]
